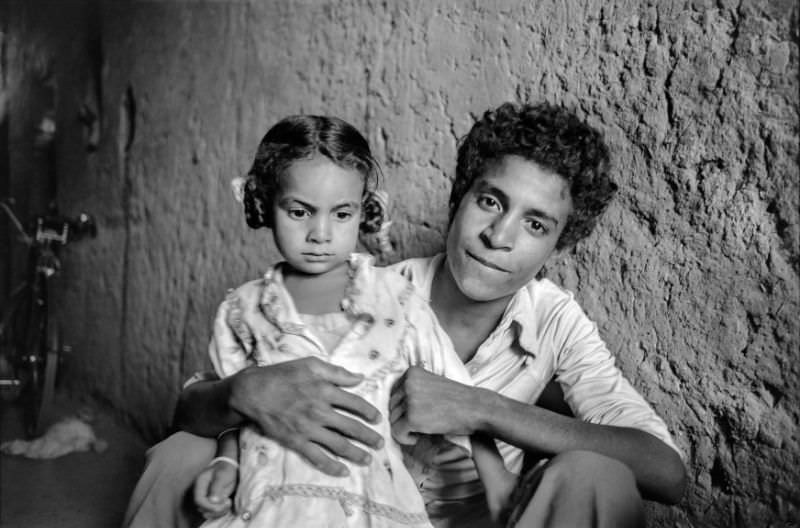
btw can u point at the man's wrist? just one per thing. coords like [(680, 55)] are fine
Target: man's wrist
[(484, 410)]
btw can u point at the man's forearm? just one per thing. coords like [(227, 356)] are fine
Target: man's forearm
[(203, 408), (658, 469)]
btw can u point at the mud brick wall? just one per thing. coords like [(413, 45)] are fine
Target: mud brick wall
[(692, 275)]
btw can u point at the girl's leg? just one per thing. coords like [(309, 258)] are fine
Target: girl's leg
[(163, 496)]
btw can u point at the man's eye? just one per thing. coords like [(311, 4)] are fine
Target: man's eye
[(488, 202), (297, 214), (536, 226)]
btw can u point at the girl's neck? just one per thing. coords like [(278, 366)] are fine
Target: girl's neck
[(316, 294)]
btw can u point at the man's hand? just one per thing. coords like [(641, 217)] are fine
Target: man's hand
[(423, 402), (298, 404)]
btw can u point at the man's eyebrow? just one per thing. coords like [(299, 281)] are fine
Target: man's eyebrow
[(541, 214), (483, 186)]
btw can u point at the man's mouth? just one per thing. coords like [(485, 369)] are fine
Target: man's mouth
[(485, 262)]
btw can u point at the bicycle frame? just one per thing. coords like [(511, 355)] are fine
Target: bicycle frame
[(29, 330)]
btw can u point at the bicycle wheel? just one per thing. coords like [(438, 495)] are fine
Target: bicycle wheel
[(12, 340), (49, 372), (31, 364)]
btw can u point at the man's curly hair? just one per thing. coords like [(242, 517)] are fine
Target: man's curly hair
[(553, 138), (298, 138)]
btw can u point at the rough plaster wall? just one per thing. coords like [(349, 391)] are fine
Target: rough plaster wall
[(692, 275)]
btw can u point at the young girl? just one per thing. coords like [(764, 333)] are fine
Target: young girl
[(310, 184)]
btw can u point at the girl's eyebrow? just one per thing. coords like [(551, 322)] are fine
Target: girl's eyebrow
[(285, 200)]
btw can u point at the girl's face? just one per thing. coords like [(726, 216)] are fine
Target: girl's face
[(316, 215)]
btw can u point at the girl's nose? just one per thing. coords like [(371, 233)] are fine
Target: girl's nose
[(501, 233), (320, 231)]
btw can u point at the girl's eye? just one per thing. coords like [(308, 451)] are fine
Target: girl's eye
[(344, 215), (297, 214), (488, 202)]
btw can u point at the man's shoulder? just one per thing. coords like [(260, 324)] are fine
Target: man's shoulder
[(417, 269), (546, 293)]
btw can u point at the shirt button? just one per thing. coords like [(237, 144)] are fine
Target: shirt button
[(389, 322), (374, 354), (246, 515)]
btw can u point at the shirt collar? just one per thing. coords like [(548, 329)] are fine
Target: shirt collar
[(277, 305), (517, 317)]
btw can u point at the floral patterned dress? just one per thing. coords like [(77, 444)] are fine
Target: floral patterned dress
[(384, 328)]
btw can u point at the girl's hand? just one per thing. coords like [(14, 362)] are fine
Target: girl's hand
[(298, 404), (213, 489), (423, 402)]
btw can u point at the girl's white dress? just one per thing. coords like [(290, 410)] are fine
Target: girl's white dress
[(387, 327)]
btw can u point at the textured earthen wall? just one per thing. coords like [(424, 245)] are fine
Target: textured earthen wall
[(692, 276)]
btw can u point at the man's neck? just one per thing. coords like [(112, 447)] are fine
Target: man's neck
[(468, 322)]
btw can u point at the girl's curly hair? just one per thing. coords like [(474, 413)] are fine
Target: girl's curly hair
[(298, 138), (555, 139)]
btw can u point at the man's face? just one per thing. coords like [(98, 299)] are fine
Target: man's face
[(505, 228)]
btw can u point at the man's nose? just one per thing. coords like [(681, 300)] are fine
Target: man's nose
[(501, 233), (320, 231)]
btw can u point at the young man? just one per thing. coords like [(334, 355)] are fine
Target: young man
[(530, 180)]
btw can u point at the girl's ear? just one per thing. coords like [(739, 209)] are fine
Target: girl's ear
[(375, 223), (257, 210)]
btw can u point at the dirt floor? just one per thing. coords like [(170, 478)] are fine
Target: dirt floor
[(78, 490)]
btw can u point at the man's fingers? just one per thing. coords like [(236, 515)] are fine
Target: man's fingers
[(352, 403), (351, 429), (341, 446), (334, 373), (317, 457), (397, 409)]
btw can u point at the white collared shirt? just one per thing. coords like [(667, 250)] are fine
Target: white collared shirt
[(543, 333)]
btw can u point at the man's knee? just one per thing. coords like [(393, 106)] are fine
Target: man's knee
[(182, 450), (161, 496), (588, 466), (581, 488)]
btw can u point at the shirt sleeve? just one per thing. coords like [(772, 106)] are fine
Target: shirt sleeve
[(232, 343), (433, 350), (595, 389)]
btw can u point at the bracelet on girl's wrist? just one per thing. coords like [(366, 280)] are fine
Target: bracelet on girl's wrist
[(226, 431), (227, 460)]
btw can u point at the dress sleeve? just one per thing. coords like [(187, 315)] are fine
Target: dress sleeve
[(232, 344), (594, 387)]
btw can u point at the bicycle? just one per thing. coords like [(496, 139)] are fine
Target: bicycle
[(30, 336)]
